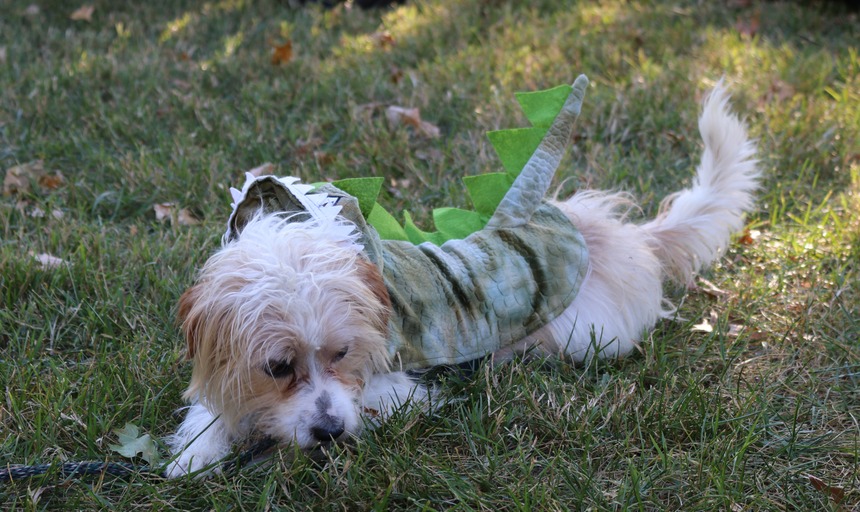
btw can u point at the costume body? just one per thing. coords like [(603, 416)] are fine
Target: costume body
[(465, 298)]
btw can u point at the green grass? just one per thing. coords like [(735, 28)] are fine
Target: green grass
[(165, 101)]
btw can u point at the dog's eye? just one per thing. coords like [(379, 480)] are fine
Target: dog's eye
[(340, 355), (278, 369)]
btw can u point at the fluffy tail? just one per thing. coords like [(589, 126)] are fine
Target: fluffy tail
[(695, 225)]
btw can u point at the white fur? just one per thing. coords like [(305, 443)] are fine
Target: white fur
[(296, 292)]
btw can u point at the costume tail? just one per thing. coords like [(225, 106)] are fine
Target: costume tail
[(695, 225)]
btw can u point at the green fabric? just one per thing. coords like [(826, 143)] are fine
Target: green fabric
[(542, 107), (366, 190), (487, 190)]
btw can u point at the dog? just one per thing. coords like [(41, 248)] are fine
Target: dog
[(288, 325)]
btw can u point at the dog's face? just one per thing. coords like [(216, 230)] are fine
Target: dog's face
[(284, 326)]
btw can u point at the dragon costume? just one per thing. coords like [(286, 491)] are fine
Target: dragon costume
[(486, 279)]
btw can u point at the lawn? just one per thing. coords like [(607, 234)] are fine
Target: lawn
[(123, 127)]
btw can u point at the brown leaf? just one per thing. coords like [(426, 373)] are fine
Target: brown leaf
[(707, 324), (186, 218), (168, 211), (83, 13), (19, 177), (323, 158), (51, 181), (411, 117), (365, 111), (710, 288), (383, 39), (837, 494), (780, 91), (49, 261), (262, 170), (281, 54), (306, 147), (163, 211), (395, 75), (749, 27)]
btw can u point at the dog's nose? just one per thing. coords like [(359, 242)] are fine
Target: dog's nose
[(328, 431)]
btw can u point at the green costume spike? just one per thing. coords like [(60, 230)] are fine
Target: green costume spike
[(486, 278), (515, 148)]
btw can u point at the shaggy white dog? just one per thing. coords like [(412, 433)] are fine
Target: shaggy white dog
[(287, 324)]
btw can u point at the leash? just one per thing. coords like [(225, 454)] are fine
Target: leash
[(15, 472)]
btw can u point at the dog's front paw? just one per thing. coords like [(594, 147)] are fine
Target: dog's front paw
[(194, 460), (200, 441)]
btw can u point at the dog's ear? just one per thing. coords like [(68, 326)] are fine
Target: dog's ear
[(188, 323), (371, 275)]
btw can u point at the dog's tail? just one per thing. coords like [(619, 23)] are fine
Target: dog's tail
[(695, 225)]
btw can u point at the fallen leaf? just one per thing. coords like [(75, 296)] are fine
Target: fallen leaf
[(262, 170), (131, 443), (19, 177), (2, 55), (186, 218), (383, 39), (707, 324), (837, 494), (306, 147), (674, 136), (282, 54), (163, 211), (83, 13), (323, 158), (779, 91), (49, 261), (365, 111), (37, 213), (398, 116), (710, 288), (735, 330), (51, 181), (133, 230), (168, 211), (395, 75), (749, 27), (31, 10)]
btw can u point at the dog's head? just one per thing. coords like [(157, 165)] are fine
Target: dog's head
[(284, 326)]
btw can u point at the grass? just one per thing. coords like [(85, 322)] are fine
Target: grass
[(152, 102)]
